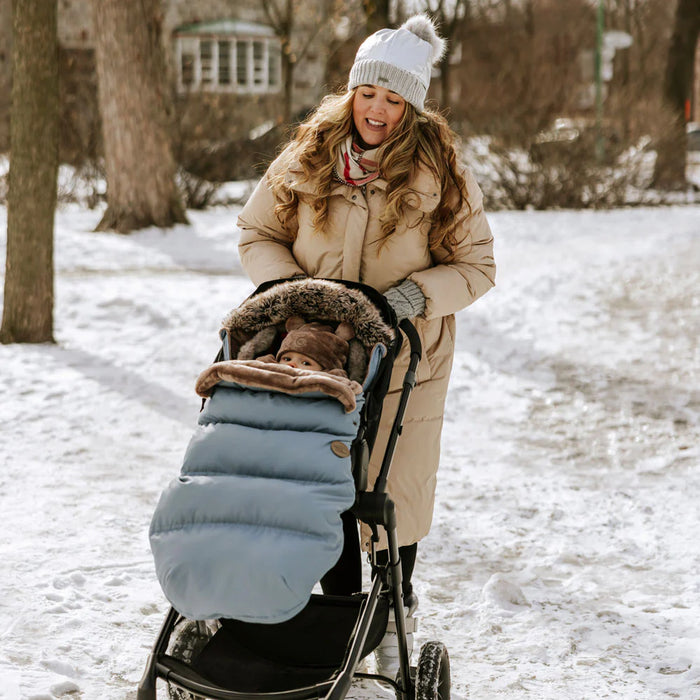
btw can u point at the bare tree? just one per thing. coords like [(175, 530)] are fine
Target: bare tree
[(136, 116), (634, 106), (348, 31), (298, 24), (448, 15), (670, 163), (377, 13), (520, 67), (28, 303)]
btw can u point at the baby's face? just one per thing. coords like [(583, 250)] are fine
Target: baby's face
[(296, 359)]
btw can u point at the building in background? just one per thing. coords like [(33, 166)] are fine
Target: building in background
[(225, 65)]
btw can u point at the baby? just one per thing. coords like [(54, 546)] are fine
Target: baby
[(314, 346), (297, 359)]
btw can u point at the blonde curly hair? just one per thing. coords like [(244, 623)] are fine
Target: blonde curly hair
[(419, 138)]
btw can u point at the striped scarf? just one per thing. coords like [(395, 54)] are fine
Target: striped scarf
[(355, 166)]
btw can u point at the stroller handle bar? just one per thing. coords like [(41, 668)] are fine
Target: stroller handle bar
[(409, 381), (414, 341)]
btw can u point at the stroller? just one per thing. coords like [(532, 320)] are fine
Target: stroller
[(309, 645)]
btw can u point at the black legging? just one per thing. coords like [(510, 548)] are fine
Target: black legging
[(345, 578)]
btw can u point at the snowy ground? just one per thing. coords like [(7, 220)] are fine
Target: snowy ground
[(563, 561)]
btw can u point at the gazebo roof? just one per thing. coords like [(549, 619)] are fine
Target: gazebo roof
[(224, 27)]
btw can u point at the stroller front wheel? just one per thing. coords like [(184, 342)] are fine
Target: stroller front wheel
[(187, 641), (433, 672)]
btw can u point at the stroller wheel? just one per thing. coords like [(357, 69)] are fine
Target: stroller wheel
[(433, 672), (187, 641)]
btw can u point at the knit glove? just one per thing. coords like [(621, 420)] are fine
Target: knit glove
[(407, 300)]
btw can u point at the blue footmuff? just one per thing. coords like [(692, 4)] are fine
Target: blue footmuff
[(253, 521)]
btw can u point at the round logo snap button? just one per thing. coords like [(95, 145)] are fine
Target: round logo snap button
[(340, 449)]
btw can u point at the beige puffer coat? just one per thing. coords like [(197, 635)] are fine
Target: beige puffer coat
[(350, 251)]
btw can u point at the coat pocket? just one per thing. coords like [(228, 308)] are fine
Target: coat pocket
[(423, 201), (417, 214)]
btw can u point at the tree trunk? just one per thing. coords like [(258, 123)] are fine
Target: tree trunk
[(136, 117), (670, 162), (445, 84), (288, 67), (449, 21), (285, 29), (377, 14), (28, 302)]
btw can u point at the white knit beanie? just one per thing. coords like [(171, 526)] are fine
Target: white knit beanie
[(400, 59)]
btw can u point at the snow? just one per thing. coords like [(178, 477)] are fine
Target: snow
[(563, 558)]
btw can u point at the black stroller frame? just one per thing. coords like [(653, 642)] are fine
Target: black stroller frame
[(431, 679)]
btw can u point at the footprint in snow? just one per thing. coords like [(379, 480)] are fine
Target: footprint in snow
[(64, 688), (501, 593), (61, 667)]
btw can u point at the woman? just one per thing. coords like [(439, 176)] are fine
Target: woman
[(370, 190)]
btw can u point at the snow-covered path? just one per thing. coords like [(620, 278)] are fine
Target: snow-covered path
[(564, 555)]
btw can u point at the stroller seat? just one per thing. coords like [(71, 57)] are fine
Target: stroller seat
[(306, 650)]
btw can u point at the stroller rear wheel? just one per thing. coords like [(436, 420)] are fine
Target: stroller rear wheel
[(433, 672)]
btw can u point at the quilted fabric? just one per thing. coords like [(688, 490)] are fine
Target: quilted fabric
[(253, 521)]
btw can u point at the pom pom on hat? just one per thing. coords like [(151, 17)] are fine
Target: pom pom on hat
[(400, 60), (423, 27)]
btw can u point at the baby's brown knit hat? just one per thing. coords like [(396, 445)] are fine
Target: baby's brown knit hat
[(318, 341)]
